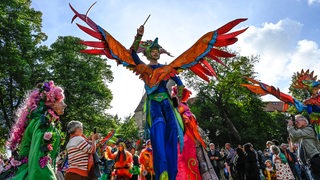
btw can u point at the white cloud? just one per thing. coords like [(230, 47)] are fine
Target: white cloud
[(281, 51), (310, 2)]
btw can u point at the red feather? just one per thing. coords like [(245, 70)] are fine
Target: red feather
[(212, 56), (198, 72), (209, 67), (225, 42), (93, 51), (231, 35), (93, 44), (204, 69), (227, 27), (221, 53), (90, 32), (92, 24), (106, 138)]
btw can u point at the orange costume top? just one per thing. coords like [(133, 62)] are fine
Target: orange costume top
[(146, 161), (122, 164)]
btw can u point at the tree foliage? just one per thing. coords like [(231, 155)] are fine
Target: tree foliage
[(25, 62), (231, 113), (20, 67), (84, 79), (128, 129)]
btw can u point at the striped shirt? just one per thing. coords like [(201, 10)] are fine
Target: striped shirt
[(78, 153)]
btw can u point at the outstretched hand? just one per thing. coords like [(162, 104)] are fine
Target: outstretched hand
[(140, 30)]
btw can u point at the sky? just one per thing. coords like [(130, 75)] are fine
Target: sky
[(285, 34)]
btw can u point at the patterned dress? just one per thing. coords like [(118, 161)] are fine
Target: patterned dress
[(283, 169)]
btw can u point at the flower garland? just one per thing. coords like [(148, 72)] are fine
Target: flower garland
[(47, 146)]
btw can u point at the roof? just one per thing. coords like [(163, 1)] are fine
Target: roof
[(272, 106), (141, 103)]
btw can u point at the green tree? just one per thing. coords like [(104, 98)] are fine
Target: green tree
[(84, 79), (21, 66), (128, 129), (228, 111)]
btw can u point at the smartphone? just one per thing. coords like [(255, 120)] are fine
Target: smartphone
[(95, 131)]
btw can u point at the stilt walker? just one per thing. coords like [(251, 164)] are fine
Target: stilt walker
[(163, 120)]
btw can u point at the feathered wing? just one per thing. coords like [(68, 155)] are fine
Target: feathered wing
[(206, 48), (195, 58), (264, 89), (107, 45)]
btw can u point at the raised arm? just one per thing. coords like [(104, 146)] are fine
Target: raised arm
[(109, 154), (300, 133), (137, 38)]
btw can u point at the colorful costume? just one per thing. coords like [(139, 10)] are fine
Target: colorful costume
[(123, 162), (146, 161), (188, 160), (304, 80), (36, 135), (135, 170), (162, 118)]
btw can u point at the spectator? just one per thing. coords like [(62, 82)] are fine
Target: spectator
[(239, 165), (79, 150), (269, 172), (309, 147), (292, 160), (281, 164), (251, 166), (215, 159), (268, 145), (135, 171), (229, 154)]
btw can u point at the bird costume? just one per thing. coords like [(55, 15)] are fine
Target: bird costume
[(304, 80), (163, 119)]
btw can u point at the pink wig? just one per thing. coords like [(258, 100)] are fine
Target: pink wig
[(48, 92)]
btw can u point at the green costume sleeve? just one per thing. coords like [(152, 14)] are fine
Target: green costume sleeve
[(31, 147), (136, 42)]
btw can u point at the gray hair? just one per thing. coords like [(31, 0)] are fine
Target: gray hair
[(299, 116), (73, 125), (269, 142), (275, 149)]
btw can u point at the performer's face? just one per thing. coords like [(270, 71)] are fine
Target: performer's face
[(155, 55), (149, 145), (120, 148), (133, 151), (59, 107)]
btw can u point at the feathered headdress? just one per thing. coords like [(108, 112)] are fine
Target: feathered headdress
[(145, 47)]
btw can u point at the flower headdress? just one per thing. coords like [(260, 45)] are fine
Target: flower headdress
[(38, 101)]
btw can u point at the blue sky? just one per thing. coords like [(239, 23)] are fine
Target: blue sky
[(285, 33)]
